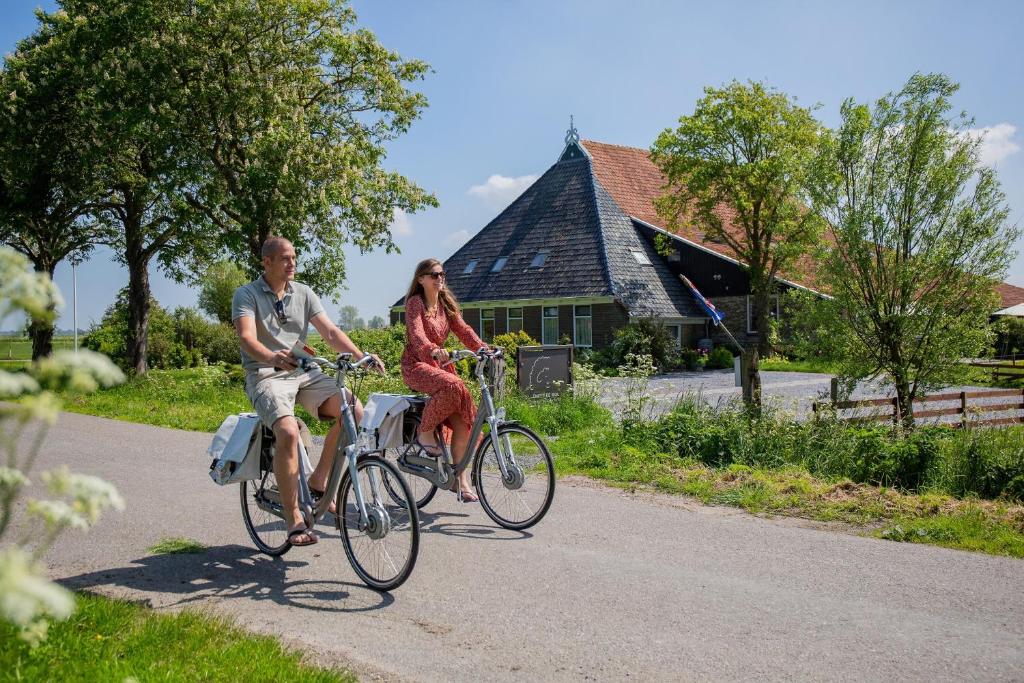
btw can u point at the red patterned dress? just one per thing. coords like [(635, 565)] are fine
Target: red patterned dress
[(424, 334)]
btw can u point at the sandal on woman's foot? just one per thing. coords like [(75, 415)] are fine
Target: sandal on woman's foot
[(295, 534), (317, 495), (430, 450), (465, 495)]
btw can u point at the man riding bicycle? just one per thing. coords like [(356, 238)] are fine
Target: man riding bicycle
[(270, 315)]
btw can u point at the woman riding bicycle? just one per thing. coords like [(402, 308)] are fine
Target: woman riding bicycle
[(431, 312)]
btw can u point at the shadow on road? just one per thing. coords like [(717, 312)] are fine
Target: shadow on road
[(434, 522), (233, 571)]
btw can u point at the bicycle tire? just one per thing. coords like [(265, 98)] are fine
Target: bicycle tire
[(404, 527), (268, 531), (537, 490), (421, 488)]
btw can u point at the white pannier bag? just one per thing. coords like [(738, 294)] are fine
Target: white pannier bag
[(236, 449), (382, 420)]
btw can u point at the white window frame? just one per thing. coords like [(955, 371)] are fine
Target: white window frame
[(677, 335), (640, 257), (544, 317), (576, 317), (493, 323), (509, 318)]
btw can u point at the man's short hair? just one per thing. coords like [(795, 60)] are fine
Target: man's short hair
[(272, 245)]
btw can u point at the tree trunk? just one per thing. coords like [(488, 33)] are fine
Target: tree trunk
[(138, 296), (762, 320), (750, 377), (904, 403), (41, 331)]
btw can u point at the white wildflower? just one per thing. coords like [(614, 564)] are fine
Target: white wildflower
[(26, 594), (57, 514), (14, 384)]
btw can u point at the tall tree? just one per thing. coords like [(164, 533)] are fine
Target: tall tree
[(293, 105), (921, 236), (745, 152), (217, 288), (119, 52), (348, 318), (47, 188)]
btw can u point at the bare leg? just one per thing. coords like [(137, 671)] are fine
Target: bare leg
[(286, 469), (461, 449), (331, 409)]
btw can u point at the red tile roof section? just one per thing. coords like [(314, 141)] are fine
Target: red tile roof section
[(634, 182), (1010, 295)]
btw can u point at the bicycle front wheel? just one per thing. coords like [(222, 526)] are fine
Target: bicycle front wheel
[(523, 498), (382, 549), (261, 511)]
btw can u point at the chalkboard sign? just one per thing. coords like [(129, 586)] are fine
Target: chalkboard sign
[(544, 370)]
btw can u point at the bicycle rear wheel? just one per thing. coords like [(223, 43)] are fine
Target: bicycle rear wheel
[(261, 511), (523, 499), (421, 489), (383, 553)]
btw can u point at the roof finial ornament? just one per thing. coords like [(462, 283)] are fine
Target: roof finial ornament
[(572, 135)]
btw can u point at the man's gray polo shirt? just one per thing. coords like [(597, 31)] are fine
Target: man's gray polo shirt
[(256, 300)]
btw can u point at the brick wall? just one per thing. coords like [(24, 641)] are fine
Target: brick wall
[(606, 319), (531, 321), (735, 309)]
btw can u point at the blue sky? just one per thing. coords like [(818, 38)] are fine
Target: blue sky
[(507, 75)]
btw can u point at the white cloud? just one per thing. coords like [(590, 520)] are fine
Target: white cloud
[(996, 142), (499, 190), (401, 226), (456, 239)]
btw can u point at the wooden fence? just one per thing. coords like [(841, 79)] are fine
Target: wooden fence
[(1010, 368), (969, 403)]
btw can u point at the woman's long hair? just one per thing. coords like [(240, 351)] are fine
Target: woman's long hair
[(444, 296)]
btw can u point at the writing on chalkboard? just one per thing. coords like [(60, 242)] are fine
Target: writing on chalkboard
[(544, 370)]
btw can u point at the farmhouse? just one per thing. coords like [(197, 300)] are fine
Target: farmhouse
[(583, 250)]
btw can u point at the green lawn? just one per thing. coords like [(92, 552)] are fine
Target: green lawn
[(115, 640), (20, 348)]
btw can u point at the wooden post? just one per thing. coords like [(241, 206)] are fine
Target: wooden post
[(833, 389), (751, 378), (963, 409)]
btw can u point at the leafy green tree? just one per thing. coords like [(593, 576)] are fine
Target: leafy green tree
[(47, 189), (377, 323), (217, 287), (745, 153), (920, 236), (348, 318), (292, 105)]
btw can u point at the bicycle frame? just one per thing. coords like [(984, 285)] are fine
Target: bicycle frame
[(486, 413), (345, 455)]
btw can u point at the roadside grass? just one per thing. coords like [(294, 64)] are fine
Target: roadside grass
[(116, 640), (780, 364), (178, 545), (958, 489), (196, 399)]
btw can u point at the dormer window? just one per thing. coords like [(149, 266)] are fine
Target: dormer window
[(539, 259), (499, 264), (640, 257), (469, 267)]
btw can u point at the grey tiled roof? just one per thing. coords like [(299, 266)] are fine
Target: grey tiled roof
[(588, 240)]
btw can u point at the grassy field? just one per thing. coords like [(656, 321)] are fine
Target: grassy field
[(20, 348), (115, 640)]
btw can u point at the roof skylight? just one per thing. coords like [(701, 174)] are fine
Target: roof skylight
[(470, 266), (539, 259), (499, 264), (641, 257)]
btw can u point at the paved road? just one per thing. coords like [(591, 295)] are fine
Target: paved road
[(610, 586)]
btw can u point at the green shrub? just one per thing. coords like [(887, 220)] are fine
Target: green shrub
[(720, 357), (110, 335), (643, 337), (557, 416), (511, 342)]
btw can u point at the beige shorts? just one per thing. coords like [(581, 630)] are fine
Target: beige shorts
[(273, 394)]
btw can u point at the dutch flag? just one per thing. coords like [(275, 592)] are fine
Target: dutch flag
[(709, 308)]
